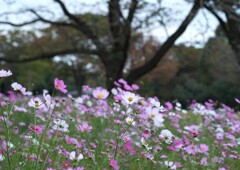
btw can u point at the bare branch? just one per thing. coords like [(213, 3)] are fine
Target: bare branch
[(49, 55), (131, 11), (21, 24), (85, 29), (58, 23), (152, 63), (220, 20)]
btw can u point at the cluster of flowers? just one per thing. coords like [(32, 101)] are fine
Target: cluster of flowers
[(121, 130)]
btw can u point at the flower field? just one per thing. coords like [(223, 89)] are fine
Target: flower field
[(121, 129)]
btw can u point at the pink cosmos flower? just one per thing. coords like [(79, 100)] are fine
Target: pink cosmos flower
[(66, 164), (70, 140), (59, 85), (237, 100), (191, 149), (135, 87), (85, 127), (113, 164), (36, 129), (203, 148), (128, 146), (100, 93), (33, 157), (203, 161), (146, 133)]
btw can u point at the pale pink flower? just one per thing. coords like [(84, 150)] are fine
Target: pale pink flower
[(135, 87), (203, 161), (59, 85), (85, 127), (203, 148), (70, 140), (100, 93), (129, 98)]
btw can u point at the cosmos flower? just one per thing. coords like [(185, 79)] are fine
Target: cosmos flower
[(36, 103), (145, 144), (100, 93), (203, 148), (59, 85), (166, 136), (130, 121), (85, 127), (60, 125), (129, 98), (113, 163), (72, 156), (36, 129), (4, 73), (170, 165)]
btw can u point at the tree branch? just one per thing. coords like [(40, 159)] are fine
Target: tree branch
[(152, 63), (86, 30), (49, 55), (20, 24), (220, 20), (82, 26), (131, 11)]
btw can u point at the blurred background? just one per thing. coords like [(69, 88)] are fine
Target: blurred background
[(174, 49)]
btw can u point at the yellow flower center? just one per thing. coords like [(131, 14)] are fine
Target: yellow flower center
[(129, 121), (130, 99), (153, 115), (37, 104), (57, 86), (100, 96), (146, 143), (65, 164)]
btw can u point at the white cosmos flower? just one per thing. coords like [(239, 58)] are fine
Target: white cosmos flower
[(145, 143), (129, 97), (153, 113), (16, 86), (73, 157), (4, 73), (166, 136), (158, 120), (170, 164), (130, 121), (60, 125), (1, 157), (157, 104), (36, 103)]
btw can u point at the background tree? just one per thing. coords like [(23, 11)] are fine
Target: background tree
[(112, 48), (227, 13)]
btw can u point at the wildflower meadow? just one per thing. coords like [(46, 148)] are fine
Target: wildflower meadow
[(117, 129)]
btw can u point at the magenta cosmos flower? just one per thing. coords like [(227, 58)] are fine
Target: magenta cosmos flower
[(59, 85), (100, 93), (36, 129)]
